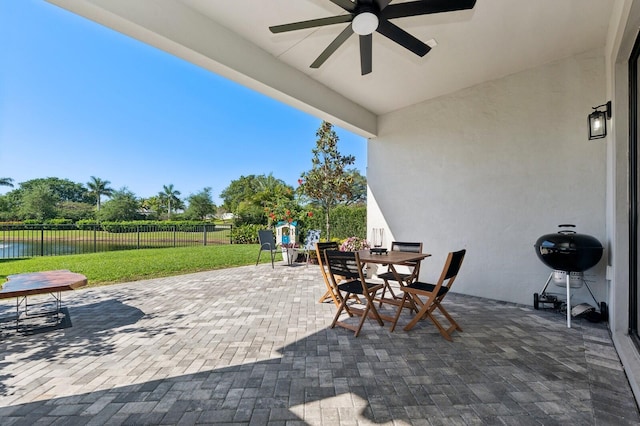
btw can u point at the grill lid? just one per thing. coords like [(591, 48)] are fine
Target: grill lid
[(569, 251)]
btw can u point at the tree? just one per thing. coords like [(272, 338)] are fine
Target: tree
[(247, 213), (240, 190), (358, 189), (10, 205), (151, 207), (6, 182), (98, 188), (62, 189), (327, 183), (122, 206), (258, 199), (271, 190), (38, 202), (169, 196), (74, 210), (201, 205)]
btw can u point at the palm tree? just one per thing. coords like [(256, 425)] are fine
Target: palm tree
[(169, 194), (6, 182), (99, 187)]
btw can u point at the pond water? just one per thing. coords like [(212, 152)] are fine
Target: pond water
[(14, 250)]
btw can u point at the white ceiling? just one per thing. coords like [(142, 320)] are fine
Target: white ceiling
[(496, 38)]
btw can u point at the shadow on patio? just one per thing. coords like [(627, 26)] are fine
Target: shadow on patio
[(251, 345)]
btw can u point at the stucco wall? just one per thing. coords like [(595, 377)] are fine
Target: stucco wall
[(623, 31), (492, 168)]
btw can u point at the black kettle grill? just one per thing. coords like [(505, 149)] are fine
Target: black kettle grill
[(571, 253)]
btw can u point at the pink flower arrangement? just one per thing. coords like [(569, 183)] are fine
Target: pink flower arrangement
[(354, 244)]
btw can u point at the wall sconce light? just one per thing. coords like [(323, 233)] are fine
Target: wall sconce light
[(598, 121)]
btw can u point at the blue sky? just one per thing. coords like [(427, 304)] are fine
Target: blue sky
[(80, 100)]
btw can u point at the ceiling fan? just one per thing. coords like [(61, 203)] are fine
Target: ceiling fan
[(367, 16)]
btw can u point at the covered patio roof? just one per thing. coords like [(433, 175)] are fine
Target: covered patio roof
[(494, 39)]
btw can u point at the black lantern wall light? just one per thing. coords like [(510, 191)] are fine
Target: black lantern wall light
[(598, 121)]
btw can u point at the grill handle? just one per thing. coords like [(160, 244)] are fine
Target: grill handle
[(566, 231)]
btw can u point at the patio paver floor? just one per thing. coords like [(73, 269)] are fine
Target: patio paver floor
[(251, 345)]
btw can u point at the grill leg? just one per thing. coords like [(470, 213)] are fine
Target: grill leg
[(547, 283), (590, 292), (568, 300)]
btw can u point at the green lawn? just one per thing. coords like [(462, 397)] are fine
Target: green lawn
[(131, 265)]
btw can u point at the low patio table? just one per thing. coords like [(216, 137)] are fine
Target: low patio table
[(54, 283), (393, 259)]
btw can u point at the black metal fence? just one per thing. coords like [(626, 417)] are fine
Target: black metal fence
[(19, 240)]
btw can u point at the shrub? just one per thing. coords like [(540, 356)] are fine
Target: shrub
[(345, 222), (86, 224), (156, 226), (60, 221), (245, 234), (349, 221)]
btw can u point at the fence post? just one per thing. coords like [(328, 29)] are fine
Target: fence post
[(174, 235), (230, 234), (42, 240), (95, 237), (204, 234), (138, 235)]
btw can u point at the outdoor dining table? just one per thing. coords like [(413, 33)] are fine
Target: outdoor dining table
[(54, 283), (392, 259)]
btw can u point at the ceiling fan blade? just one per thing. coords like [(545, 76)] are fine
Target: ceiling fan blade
[(311, 23), (382, 3), (347, 5), (403, 38), (425, 7), (366, 53), (333, 46)]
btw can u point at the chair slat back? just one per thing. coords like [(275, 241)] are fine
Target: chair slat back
[(312, 237), (410, 247), (330, 281), (343, 263), (454, 261), (321, 247), (266, 238)]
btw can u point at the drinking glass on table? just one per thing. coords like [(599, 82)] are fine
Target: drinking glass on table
[(377, 237)]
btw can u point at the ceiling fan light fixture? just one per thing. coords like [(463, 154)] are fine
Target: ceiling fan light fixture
[(364, 23)]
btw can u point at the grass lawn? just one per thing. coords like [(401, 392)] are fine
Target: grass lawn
[(132, 265)]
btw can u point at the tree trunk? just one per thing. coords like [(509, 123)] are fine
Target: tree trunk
[(326, 217)]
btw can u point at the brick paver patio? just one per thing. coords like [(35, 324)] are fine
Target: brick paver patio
[(251, 345)]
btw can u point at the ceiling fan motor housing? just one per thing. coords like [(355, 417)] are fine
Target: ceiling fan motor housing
[(366, 18)]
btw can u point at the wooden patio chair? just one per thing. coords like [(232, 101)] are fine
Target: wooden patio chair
[(267, 242), (412, 275), (331, 293), (346, 264), (428, 297)]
